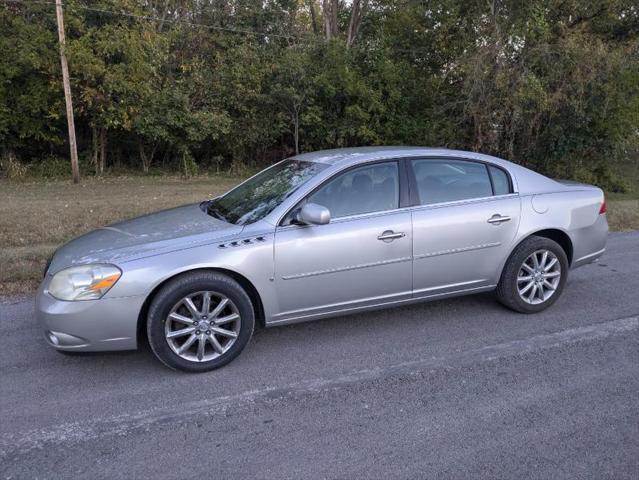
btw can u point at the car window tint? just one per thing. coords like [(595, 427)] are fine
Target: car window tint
[(449, 180), (500, 181), (365, 189)]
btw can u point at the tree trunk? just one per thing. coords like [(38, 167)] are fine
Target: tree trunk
[(334, 9), (326, 8), (103, 142), (296, 120), (94, 152), (311, 7), (330, 18), (143, 157), (147, 160), (356, 21), (165, 11)]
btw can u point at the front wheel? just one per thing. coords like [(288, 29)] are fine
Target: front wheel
[(200, 321), (534, 276)]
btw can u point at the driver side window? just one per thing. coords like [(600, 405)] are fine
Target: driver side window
[(366, 189)]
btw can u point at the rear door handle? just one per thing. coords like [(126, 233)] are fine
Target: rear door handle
[(389, 236), (498, 219)]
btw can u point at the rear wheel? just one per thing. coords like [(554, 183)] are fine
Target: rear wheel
[(200, 321), (534, 275)]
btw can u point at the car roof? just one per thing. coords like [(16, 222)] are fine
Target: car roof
[(525, 181), (348, 156)]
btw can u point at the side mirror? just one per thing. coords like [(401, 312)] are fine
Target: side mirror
[(313, 214)]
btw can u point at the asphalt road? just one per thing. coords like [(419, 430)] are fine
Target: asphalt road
[(452, 389)]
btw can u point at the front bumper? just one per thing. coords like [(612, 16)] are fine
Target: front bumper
[(89, 325)]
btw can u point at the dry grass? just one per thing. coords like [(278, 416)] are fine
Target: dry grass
[(37, 217), (623, 215)]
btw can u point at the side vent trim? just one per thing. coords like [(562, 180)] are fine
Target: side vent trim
[(246, 241)]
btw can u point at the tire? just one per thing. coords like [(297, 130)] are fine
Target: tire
[(511, 283), (171, 303)]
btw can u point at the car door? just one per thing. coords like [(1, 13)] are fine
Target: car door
[(463, 227), (361, 258)]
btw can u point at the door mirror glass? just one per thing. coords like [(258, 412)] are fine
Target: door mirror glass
[(314, 214)]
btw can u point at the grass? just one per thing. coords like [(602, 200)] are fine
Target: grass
[(36, 217), (623, 215)]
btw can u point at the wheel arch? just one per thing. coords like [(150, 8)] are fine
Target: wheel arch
[(555, 234), (244, 282), (559, 236)]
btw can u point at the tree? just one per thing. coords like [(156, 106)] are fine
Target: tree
[(31, 107), (179, 84), (292, 88), (357, 13), (331, 11)]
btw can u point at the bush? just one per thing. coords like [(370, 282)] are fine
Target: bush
[(50, 167), (11, 167), (603, 177), (190, 167)]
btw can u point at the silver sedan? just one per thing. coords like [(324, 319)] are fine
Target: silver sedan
[(319, 235)]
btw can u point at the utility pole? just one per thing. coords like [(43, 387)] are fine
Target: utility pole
[(67, 93)]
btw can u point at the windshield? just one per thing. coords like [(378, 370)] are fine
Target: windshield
[(257, 197)]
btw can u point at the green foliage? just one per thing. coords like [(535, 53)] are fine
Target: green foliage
[(50, 167), (602, 176), (30, 96), (550, 84), (189, 165)]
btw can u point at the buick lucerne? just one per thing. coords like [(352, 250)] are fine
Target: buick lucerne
[(318, 235)]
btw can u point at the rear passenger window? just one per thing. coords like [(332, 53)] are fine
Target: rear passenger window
[(450, 180), (501, 183)]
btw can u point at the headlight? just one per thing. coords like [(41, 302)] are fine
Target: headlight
[(86, 282)]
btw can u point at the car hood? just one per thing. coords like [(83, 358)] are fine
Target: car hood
[(153, 234)]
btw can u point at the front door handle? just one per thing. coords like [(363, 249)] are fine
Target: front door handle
[(389, 236), (498, 219)]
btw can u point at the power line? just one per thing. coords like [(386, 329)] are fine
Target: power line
[(151, 18)]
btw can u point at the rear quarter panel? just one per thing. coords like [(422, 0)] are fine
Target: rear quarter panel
[(574, 211)]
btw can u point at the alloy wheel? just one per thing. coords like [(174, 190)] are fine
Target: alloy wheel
[(202, 326), (538, 277)]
